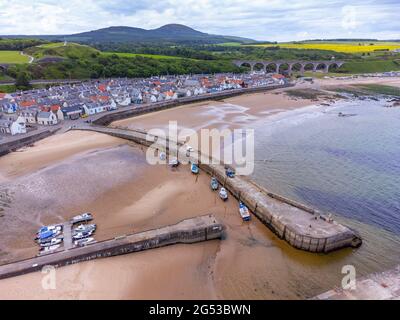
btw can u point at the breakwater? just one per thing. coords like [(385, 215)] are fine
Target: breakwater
[(188, 231), (302, 227)]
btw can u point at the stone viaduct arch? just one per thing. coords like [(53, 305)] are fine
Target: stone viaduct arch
[(323, 65)]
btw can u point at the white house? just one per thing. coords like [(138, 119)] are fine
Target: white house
[(93, 108), (47, 118), (29, 116), (13, 126)]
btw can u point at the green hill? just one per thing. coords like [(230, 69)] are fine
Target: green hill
[(70, 51)]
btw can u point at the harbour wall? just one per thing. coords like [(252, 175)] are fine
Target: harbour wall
[(11, 146), (188, 231), (301, 226)]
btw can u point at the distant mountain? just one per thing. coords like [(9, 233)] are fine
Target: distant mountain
[(170, 33)]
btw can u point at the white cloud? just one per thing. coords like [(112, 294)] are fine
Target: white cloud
[(260, 19)]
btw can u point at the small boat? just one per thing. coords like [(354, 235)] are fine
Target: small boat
[(49, 228), (52, 242), (214, 184), (82, 235), (83, 228), (244, 212), (189, 149), (84, 217), (230, 173), (83, 242), (194, 168), (47, 235), (49, 249), (223, 194), (174, 162)]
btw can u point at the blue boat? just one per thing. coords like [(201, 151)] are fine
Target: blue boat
[(194, 168), (230, 173), (46, 235)]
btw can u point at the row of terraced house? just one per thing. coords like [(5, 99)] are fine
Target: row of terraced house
[(47, 107)]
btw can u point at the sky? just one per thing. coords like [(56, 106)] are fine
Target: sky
[(271, 20)]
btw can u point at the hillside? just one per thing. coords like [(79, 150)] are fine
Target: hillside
[(171, 33)]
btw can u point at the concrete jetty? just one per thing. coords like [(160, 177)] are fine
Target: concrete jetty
[(302, 227), (193, 230), (378, 286)]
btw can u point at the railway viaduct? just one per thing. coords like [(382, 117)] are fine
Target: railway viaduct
[(301, 65)]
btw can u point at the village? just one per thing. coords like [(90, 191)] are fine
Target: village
[(25, 111)]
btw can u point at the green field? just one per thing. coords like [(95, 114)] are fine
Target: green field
[(133, 55), (345, 47), (12, 57)]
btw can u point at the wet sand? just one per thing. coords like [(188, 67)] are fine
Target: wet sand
[(236, 112)]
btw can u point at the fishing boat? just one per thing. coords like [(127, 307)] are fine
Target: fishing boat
[(49, 249), (82, 235), (223, 194), (83, 228), (194, 168), (49, 228), (230, 173), (84, 217), (214, 184), (174, 162), (47, 235), (244, 212), (83, 242), (52, 242)]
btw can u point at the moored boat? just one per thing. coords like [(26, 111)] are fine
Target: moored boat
[(214, 184), (194, 168), (49, 249), (223, 194), (52, 242), (244, 212), (84, 217), (85, 228), (174, 162), (83, 242), (230, 172)]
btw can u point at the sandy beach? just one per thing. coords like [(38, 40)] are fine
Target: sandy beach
[(79, 171)]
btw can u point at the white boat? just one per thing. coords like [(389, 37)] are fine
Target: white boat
[(83, 228), (82, 235), (82, 218), (244, 212), (52, 242), (214, 184), (83, 242), (223, 194), (49, 249), (174, 162)]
